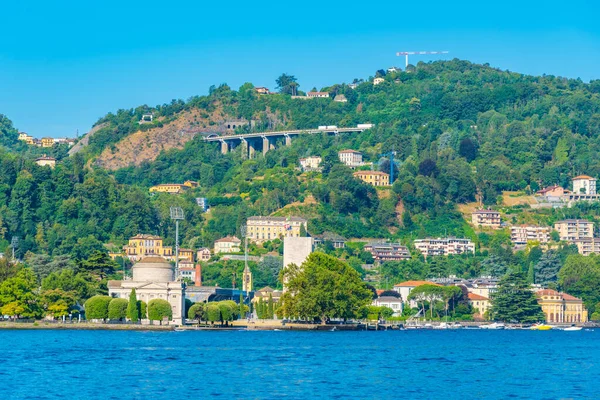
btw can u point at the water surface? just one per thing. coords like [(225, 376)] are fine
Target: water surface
[(299, 365)]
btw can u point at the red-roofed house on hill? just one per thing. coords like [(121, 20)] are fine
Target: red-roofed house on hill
[(404, 288), (561, 308)]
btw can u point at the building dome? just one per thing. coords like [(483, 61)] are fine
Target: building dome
[(153, 269)]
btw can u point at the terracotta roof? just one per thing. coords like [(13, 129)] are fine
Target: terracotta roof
[(153, 259), (550, 292), (568, 297), (474, 296), (583, 177), (349, 151), (228, 239), (415, 284), (549, 188)]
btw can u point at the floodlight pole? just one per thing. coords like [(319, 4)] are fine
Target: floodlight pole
[(177, 245)]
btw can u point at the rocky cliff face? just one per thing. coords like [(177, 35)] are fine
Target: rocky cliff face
[(146, 146)]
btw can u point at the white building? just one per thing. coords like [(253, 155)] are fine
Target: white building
[(377, 81), (587, 246), (523, 234), (296, 249), (351, 158), (584, 184), (313, 95), (444, 246), (229, 244), (153, 278), (392, 302), (488, 218), (311, 163)]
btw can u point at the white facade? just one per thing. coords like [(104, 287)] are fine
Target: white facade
[(260, 229), (351, 158), (153, 278), (311, 163), (584, 184), (444, 246), (296, 249), (229, 244), (405, 288), (392, 302), (529, 233)]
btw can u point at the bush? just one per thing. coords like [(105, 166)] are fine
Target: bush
[(117, 309), (158, 309), (213, 313), (97, 307), (226, 311)]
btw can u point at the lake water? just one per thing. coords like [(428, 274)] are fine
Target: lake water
[(299, 365)]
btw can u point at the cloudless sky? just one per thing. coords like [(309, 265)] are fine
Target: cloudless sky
[(64, 64)]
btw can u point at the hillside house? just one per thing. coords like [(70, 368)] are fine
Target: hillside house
[(388, 251), (203, 254), (262, 90), (340, 98), (228, 244), (173, 188), (47, 142), (488, 218), (314, 95), (351, 158), (584, 184), (311, 163), (373, 178), (46, 161), (141, 246), (377, 81)]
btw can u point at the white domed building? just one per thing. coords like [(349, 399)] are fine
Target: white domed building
[(153, 278)]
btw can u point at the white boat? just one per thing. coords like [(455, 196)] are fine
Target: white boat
[(495, 325), (572, 329)]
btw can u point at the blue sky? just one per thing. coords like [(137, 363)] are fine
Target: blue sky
[(65, 64)]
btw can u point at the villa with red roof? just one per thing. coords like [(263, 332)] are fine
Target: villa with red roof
[(561, 308)]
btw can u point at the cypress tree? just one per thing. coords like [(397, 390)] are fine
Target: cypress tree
[(133, 312), (270, 309), (241, 306)]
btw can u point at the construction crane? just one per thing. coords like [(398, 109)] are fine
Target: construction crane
[(407, 53), (391, 155)]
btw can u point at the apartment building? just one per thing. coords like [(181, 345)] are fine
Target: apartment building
[(584, 184), (388, 251), (574, 229), (373, 178), (260, 229), (588, 246), (488, 218), (444, 246), (529, 233)]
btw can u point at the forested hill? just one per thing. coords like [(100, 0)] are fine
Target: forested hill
[(459, 130)]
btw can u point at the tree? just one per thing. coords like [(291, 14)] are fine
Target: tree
[(159, 309), (427, 167), (97, 307), (213, 313), (580, 277), (547, 268), (197, 312), (467, 149), (494, 266), (133, 311), (18, 296), (117, 309), (323, 287), (287, 84), (514, 301), (227, 311), (427, 292), (270, 308), (143, 307), (241, 306), (99, 263)]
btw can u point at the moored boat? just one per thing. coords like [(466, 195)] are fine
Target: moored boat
[(541, 327)]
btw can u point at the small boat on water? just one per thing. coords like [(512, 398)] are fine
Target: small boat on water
[(572, 329), (495, 325), (541, 327)]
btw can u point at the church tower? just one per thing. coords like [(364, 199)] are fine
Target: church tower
[(247, 280)]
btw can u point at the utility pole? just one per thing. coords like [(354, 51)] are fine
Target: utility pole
[(176, 215)]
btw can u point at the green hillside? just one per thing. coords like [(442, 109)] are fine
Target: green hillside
[(459, 130)]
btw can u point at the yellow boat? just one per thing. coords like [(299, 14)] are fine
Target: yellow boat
[(541, 327)]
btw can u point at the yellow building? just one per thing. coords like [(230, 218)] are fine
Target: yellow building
[(186, 254), (481, 303), (191, 184), (174, 188), (561, 307), (265, 293), (141, 246), (260, 229), (228, 244), (47, 142), (373, 178)]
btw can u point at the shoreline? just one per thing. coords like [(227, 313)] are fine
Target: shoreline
[(234, 326)]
